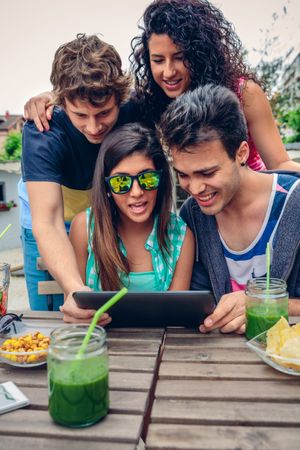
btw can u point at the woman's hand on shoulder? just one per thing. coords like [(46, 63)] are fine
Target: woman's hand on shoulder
[(39, 109)]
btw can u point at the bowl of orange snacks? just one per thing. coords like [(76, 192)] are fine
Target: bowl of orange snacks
[(279, 347), (28, 349)]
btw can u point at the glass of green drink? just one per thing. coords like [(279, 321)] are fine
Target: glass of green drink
[(77, 386), (265, 304)]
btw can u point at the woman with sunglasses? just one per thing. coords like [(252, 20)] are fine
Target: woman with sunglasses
[(129, 237)]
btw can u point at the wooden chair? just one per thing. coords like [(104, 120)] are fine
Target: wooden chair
[(49, 287)]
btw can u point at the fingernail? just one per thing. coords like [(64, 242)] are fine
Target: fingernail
[(208, 322), (202, 329)]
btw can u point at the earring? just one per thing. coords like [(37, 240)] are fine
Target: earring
[(108, 194), (243, 164)]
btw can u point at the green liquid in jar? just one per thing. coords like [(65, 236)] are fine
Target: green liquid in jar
[(260, 319), (78, 397)]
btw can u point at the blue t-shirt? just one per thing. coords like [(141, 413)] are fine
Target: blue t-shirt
[(61, 155)]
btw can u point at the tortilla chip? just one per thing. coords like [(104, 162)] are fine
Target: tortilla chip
[(284, 341), (274, 337)]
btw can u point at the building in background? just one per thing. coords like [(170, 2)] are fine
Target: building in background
[(9, 122), (10, 173), (291, 82)]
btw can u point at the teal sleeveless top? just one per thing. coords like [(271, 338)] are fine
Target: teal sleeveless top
[(163, 271)]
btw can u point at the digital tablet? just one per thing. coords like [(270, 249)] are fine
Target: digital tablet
[(152, 309)]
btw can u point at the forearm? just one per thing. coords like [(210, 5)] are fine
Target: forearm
[(59, 257), (294, 307), (289, 165)]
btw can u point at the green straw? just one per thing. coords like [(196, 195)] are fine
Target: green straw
[(268, 269), (96, 317), (5, 230)]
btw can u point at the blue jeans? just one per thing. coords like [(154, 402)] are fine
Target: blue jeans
[(33, 276)]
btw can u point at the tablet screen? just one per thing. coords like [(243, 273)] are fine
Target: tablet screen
[(152, 309)]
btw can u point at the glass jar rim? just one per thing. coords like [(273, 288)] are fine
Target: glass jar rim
[(60, 338), (262, 281), (258, 286)]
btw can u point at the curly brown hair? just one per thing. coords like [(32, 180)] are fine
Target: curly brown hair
[(212, 50), (88, 69)]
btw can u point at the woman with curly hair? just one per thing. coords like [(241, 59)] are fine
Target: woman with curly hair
[(188, 43), (185, 44)]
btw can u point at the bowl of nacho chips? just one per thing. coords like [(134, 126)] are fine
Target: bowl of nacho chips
[(279, 347)]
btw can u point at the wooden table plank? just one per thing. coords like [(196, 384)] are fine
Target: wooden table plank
[(205, 341), (120, 401), (197, 412), (274, 391), (113, 428), (133, 347), (224, 355), (131, 363), (36, 377), (201, 371), (192, 437), (27, 443)]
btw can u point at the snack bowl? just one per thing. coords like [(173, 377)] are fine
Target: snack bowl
[(258, 345), (28, 348)]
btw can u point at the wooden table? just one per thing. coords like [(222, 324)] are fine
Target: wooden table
[(214, 393), (133, 358), (177, 389)]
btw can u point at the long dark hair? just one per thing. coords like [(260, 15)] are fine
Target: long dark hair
[(120, 143), (212, 50)]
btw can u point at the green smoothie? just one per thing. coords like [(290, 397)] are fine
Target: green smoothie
[(259, 319), (78, 394)]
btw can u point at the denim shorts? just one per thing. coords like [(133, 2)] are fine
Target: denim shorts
[(33, 276)]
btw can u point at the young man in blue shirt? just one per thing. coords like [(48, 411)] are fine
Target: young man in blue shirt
[(89, 88)]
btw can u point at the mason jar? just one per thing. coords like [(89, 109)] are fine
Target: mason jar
[(265, 305), (77, 384)]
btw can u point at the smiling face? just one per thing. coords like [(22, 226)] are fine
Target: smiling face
[(94, 122), (209, 175), (167, 65), (137, 205)]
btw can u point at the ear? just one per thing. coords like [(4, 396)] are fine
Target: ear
[(242, 153)]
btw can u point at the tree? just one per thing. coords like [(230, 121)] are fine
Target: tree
[(270, 70), (12, 146), (292, 120)]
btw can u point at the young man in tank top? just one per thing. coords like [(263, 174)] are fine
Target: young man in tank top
[(233, 211)]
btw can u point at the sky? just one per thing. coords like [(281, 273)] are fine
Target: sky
[(31, 31)]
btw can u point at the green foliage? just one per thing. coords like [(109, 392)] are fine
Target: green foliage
[(269, 71), (292, 120), (12, 147)]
